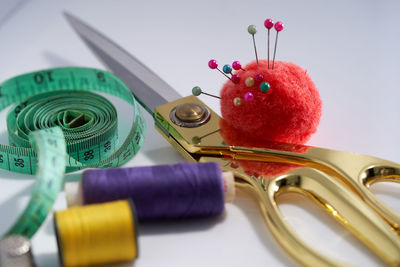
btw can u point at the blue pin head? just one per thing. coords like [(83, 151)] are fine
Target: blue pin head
[(227, 68)]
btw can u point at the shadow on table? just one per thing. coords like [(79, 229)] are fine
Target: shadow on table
[(52, 260), (179, 226)]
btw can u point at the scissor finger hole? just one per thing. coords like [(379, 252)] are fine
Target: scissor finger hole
[(375, 174), (388, 193), (319, 230)]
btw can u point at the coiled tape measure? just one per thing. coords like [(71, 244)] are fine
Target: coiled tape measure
[(57, 125)]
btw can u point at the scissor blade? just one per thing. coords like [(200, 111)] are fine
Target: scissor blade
[(141, 80)]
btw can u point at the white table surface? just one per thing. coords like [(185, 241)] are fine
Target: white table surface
[(350, 48)]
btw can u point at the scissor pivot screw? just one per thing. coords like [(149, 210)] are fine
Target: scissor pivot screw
[(189, 115)]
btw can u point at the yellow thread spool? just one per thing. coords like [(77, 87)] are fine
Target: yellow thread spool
[(96, 234)]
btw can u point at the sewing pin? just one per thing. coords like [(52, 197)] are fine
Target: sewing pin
[(252, 30), (237, 66), (268, 23), (278, 27), (249, 81), (237, 101), (227, 69), (196, 91), (235, 78), (258, 77), (212, 64), (264, 87), (197, 139), (248, 97)]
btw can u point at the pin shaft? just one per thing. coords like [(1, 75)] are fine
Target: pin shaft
[(213, 132), (211, 95), (255, 48), (276, 42), (224, 74), (268, 48)]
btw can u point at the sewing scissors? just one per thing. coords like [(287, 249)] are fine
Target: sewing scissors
[(337, 181)]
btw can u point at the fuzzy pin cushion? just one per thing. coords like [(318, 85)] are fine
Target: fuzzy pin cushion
[(287, 111)]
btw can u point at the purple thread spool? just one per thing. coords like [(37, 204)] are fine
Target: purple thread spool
[(160, 192)]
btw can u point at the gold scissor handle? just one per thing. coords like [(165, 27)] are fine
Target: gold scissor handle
[(376, 174), (334, 197)]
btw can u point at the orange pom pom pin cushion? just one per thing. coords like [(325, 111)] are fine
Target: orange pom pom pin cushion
[(266, 101)]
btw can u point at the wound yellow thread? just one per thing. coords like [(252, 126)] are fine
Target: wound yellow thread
[(96, 234)]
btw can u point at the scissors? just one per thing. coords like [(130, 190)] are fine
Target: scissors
[(337, 181)]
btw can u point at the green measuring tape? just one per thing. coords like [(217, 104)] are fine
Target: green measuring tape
[(57, 125)]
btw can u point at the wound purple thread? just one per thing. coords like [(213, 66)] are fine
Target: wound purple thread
[(160, 192)]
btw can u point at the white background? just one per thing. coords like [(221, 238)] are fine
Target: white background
[(350, 49)]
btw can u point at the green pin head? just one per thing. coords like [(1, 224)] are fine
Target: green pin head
[(196, 140), (264, 87), (196, 91), (252, 29)]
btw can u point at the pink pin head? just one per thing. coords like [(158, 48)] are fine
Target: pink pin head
[(279, 26), (248, 97), (258, 77), (269, 23), (235, 78), (236, 65), (212, 64)]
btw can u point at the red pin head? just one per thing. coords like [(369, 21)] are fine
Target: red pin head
[(235, 78), (236, 65), (212, 64), (258, 77), (268, 23), (279, 26)]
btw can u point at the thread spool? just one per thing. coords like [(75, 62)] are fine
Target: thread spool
[(159, 192), (96, 234)]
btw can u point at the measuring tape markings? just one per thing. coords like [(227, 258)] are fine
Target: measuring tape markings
[(70, 79), (94, 150), (51, 149), (45, 112)]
